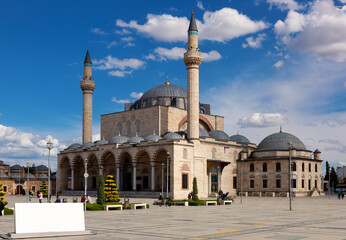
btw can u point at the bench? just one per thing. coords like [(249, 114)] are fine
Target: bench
[(139, 205), (107, 207), (225, 202), (185, 203), (207, 203)]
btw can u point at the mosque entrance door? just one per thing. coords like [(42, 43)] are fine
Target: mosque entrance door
[(214, 181), (127, 175)]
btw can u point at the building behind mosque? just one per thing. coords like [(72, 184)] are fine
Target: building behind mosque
[(167, 137)]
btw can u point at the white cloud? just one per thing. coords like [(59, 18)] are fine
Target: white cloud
[(211, 56), (98, 31), (279, 64), (112, 44), (259, 120), (177, 53), (120, 100), (200, 5), (0, 114), (111, 63), (118, 73), (345, 84), (18, 147), (123, 32), (136, 95), (285, 4), (343, 1), (129, 41), (320, 31), (222, 25), (254, 42)]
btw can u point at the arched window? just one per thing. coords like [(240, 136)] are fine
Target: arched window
[(294, 167), (264, 167), (138, 127), (309, 167), (252, 167), (303, 167), (316, 167), (278, 167), (120, 128), (213, 153), (185, 153)]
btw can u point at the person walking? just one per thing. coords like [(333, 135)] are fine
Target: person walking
[(58, 200), (339, 193), (2, 206), (40, 196), (30, 195)]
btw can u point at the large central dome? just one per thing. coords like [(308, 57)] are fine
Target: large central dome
[(165, 90), (279, 141), (163, 95)]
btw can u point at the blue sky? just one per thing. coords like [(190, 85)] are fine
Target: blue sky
[(266, 63)]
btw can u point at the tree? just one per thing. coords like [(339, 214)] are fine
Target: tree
[(111, 191), (101, 198), (2, 194), (326, 177), (44, 189), (195, 190), (333, 178)]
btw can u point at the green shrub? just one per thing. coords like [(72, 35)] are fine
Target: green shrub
[(101, 198), (195, 189), (8, 211), (94, 207), (196, 203)]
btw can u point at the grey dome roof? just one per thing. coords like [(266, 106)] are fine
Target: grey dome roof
[(16, 167), (219, 135), (16, 175), (279, 141), (101, 142), (43, 176), (135, 139), (239, 139), (41, 168), (3, 175), (172, 135), (31, 176), (165, 90), (203, 133), (88, 144), (74, 146), (153, 138), (119, 139)]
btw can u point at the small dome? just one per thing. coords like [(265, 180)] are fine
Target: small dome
[(203, 133), (239, 139), (74, 146), (31, 176), (317, 151), (153, 138), (16, 167), (43, 176), (135, 139), (279, 141), (172, 135), (88, 144), (119, 139), (41, 168), (16, 175), (219, 135), (3, 175), (101, 142)]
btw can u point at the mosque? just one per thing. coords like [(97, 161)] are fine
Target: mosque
[(167, 137)]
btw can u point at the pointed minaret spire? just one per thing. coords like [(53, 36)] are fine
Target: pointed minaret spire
[(87, 59), (167, 83), (193, 26)]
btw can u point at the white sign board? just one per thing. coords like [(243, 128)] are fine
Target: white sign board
[(48, 217)]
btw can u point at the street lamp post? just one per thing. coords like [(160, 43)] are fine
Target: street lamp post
[(168, 156), (86, 175), (49, 146), (329, 187), (162, 179), (28, 181), (290, 147)]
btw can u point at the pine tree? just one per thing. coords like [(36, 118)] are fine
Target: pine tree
[(111, 191), (44, 189), (101, 198), (326, 177), (195, 190), (333, 178)]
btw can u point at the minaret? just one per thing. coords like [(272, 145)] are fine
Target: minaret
[(192, 60), (87, 85)]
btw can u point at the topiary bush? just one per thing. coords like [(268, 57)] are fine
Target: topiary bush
[(94, 207), (110, 190), (196, 203), (101, 198), (195, 190), (44, 189), (2, 194)]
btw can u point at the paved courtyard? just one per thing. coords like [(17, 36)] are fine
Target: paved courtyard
[(256, 218)]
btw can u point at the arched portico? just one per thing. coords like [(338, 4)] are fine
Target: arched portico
[(65, 174), (93, 171), (143, 171), (160, 159), (126, 170)]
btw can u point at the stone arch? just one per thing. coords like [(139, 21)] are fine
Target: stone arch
[(141, 152), (108, 161), (184, 153), (128, 129), (105, 154), (78, 164), (65, 173), (160, 158), (143, 177), (120, 128), (125, 160), (213, 153), (93, 171), (138, 127), (202, 121)]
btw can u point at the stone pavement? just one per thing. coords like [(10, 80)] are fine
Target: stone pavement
[(256, 218)]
